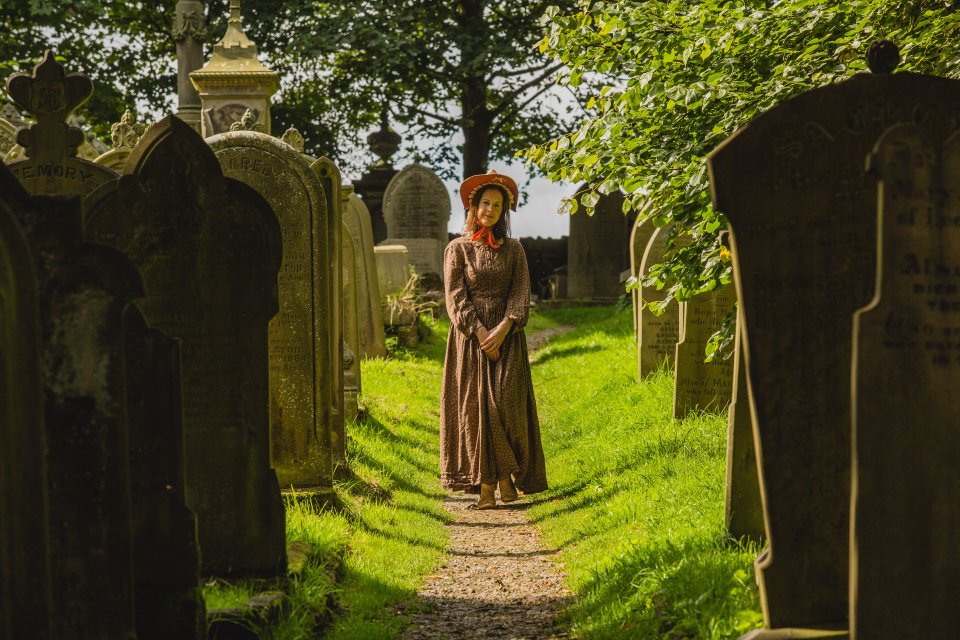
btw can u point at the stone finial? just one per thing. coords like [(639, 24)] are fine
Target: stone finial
[(294, 138), (247, 123), (50, 96), (127, 132), (190, 22), (235, 42), (883, 56), (385, 142)]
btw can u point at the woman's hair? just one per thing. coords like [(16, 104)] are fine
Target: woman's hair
[(502, 228)]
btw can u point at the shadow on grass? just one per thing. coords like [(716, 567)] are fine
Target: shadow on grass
[(548, 353)]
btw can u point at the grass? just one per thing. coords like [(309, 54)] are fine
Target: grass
[(636, 504)]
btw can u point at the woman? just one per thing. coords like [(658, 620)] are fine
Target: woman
[(489, 431)]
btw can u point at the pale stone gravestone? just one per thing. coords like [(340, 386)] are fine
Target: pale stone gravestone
[(357, 219), (416, 208), (82, 291), (699, 385), (393, 269), (351, 329), (25, 605), (331, 180), (209, 249), (905, 578), (639, 238), (657, 335), (166, 557), (802, 214), (599, 249), (123, 136), (743, 508), (51, 166), (300, 351)]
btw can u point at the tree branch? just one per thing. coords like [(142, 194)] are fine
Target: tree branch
[(509, 98), (520, 72), (510, 114), (453, 122)]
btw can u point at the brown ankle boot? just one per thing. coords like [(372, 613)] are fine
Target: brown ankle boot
[(508, 492), (488, 499)]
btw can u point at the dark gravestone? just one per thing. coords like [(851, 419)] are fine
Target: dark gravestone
[(802, 214), (657, 335), (700, 385), (599, 250), (209, 250), (83, 289), (165, 554), (24, 542), (300, 370), (906, 443), (51, 166), (743, 509)]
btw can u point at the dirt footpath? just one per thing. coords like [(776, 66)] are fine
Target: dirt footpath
[(496, 582)]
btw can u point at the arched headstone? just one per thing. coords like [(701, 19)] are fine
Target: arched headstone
[(357, 219), (639, 238), (599, 250), (657, 335), (416, 208), (300, 351), (209, 249)]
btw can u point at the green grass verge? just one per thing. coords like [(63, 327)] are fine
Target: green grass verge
[(636, 504)]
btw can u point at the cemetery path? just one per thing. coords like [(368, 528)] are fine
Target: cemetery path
[(496, 582)]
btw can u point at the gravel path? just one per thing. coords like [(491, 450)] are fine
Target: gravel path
[(497, 580)]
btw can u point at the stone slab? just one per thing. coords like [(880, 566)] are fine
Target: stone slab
[(372, 336), (658, 335)]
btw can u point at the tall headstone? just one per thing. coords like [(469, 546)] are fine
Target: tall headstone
[(640, 235), (905, 579), (700, 385), (123, 136), (351, 328), (370, 317), (802, 214), (743, 507), (51, 165), (234, 81), (372, 185), (331, 180), (25, 603), (599, 250), (189, 32), (416, 207), (209, 249), (657, 335), (166, 556), (300, 351)]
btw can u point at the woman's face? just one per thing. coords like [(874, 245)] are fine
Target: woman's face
[(490, 207)]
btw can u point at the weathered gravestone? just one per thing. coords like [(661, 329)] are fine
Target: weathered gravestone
[(416, 207), (657, 335), (25, 605), (166, 557), (906, 371), (351, 328), (331, 180), (300, 351), (82, 291), (802, 214), (699, 385), (51, 166), (393, 269), (599, 249), (209, 249), (639, 238), (743, 508), (357, 219)]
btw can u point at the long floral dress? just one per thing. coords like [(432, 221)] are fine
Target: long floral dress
[(488, 415)]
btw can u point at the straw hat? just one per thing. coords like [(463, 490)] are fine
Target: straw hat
[(470, 186)]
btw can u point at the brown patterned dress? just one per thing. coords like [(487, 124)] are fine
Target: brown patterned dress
[(488, 415)]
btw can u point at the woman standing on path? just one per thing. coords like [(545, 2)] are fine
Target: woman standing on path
[(489, 430)]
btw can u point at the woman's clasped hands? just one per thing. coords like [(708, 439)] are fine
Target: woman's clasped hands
[(490, 341)]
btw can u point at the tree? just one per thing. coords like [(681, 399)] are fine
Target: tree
[(440, 68), (674, 78)]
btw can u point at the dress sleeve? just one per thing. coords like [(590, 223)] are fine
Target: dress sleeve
[(459, 305), (518, 300)]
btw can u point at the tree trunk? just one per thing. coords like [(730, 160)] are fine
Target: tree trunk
[(476, 119)]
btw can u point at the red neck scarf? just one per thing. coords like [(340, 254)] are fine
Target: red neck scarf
[(485, 235)]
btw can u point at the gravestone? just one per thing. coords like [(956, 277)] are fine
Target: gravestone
[(743, 508), (639, 238), (393, 269), (82, 291), (331, 180), (124, 136), (300, 368), (657, 335), (416, 208), (25, 604), (699, 385), (209, 249), (599, 250), (802, 214), (351, 329), (905, 579), (166, 558), (357, 219), (50, 146)]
